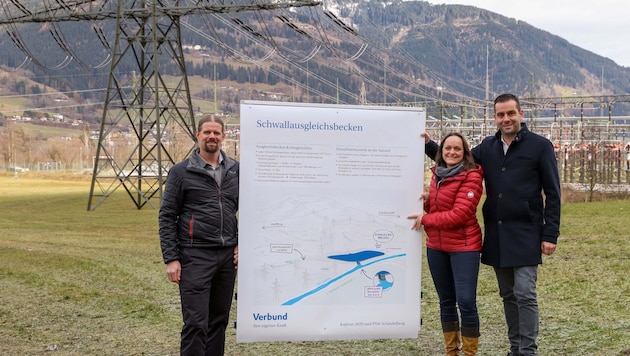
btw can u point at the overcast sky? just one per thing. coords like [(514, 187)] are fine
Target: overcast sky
[(602, 27)]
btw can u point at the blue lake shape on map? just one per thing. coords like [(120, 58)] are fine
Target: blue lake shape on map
[(357, 256)]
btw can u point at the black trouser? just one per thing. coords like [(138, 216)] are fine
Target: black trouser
[(206, 287)]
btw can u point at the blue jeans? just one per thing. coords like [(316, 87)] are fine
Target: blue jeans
[(455, 277), (517, 287)]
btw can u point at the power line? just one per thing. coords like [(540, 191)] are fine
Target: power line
[(146, 33)]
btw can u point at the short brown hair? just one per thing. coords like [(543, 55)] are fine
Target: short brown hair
[(507, 97)]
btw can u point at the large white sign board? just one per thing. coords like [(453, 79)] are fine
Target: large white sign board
[(326, 251)]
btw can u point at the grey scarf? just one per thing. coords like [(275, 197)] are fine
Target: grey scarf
[(442, 172)]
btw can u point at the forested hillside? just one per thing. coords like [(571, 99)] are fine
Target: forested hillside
[(344, 51)]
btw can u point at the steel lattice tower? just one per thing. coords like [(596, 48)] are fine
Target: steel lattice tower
[(148, 33)]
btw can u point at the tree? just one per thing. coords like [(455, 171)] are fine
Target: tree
[(54, 153), (13, 140)]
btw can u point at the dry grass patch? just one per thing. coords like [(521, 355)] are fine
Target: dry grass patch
[(93, 283)]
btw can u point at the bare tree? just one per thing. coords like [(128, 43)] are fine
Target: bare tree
[(53, 152), (13, 140), (6, 143)]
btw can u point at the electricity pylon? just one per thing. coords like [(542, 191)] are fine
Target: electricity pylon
[(148, 34)]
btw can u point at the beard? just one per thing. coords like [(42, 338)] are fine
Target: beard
[(210, 147)]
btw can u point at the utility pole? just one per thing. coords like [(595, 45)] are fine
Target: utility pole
[(157, 104), (532, 94), (384, 82), (487, 97)]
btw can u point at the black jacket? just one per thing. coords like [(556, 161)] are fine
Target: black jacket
[(195, 211), (516, 220)]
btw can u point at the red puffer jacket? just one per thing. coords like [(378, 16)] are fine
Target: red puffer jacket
[(450, 220)]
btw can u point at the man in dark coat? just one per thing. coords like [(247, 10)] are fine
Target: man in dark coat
[(520, 224), (199, 238)]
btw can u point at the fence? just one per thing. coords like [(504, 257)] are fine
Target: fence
[(589, 154)]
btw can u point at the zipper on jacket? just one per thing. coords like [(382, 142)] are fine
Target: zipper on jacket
[(435, 202), (190, 229), (220, 212)]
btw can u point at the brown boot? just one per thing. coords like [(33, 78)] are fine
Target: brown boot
[(451, 337), (470, 340)]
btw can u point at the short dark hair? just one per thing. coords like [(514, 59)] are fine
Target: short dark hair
[(467, 159), (210, 118), (507, 97)]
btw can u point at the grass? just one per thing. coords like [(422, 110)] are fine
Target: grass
[(11, 106), (44, 131), (93, 283)]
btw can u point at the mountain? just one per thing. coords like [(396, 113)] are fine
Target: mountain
[(458, 42), (358, 51)]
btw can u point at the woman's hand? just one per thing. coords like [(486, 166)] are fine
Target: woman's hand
[(417, 223)]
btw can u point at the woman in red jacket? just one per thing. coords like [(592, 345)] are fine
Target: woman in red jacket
[(454, 240)]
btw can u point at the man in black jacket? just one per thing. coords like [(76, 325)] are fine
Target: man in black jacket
[(520, 224), (199, 238)]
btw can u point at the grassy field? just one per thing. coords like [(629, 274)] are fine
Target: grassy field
[(75, 282), (45, 132)]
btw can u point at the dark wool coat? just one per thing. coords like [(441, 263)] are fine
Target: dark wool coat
[(195, 211), (450, 220), (516, 219)]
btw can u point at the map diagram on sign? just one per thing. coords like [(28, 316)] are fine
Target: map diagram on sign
[(313, 250), (326, 251)]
